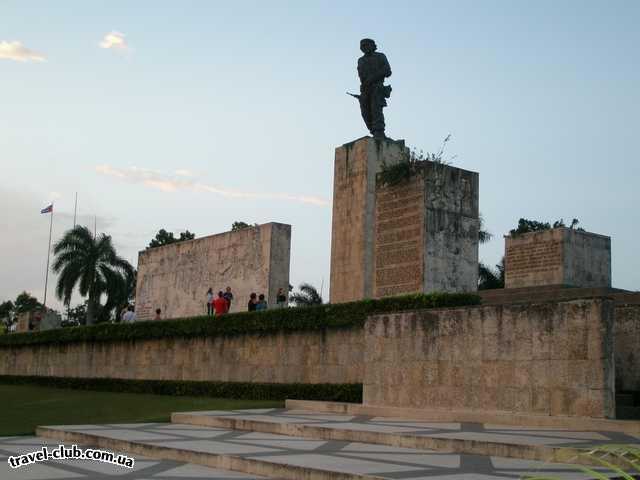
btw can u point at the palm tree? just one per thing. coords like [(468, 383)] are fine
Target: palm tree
[(488, 278), (307, 296), (483, 235), (92, 264)]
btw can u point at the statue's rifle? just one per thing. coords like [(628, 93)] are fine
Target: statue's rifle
[(354, 95)]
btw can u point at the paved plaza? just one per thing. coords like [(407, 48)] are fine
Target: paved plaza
[(519, 435), (165, 451), (144, 469)]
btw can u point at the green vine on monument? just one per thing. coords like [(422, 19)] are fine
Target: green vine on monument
[(414, 162)]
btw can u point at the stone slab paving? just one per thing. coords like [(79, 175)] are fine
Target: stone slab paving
[(367, 460), (144, 468), (467, 431)]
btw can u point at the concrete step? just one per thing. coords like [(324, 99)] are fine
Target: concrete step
[(144, 468), (527, 443), (294, 457), (472, 416)]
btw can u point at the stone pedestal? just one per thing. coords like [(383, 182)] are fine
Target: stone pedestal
[(352, 233), (560, 256), (418, 236)]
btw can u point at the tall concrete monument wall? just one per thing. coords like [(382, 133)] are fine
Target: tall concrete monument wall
[(353, 222), (560, 256), (176, 277), (417, 236)]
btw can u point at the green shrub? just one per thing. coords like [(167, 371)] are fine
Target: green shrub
[(349, 392), (321, 317)]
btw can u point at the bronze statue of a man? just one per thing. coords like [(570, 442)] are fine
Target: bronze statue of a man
[(373, 68)]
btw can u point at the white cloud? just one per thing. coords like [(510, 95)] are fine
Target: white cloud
[(18, 52), (167, 183), (114, 40)]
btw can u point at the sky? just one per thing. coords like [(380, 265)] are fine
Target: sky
[(192, 115)]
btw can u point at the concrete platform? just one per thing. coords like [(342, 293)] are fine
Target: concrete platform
[(289, 457), (530, 443)]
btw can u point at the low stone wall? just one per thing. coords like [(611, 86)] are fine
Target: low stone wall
[(550, 358), (335, 356)]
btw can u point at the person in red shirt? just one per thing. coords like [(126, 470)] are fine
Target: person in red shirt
[(220, 304)]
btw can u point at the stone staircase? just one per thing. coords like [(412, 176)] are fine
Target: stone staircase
[(329, 442)]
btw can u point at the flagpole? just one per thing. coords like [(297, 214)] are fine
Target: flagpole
[(46, 277), (75, 211)]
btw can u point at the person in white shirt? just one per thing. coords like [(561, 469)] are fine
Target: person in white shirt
[(129, 316)]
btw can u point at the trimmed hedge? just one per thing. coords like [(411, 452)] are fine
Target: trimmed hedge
[(343, 392), (343, 315)]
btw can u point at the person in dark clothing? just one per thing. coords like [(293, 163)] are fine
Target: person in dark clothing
[(253, 302), (228, 296), (262, 302), (281, 298)]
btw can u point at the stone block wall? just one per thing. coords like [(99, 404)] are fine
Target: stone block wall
[(627, 347), (305, 357), (451, 229), (550, 358), (418, 236), (560, 256), (399, 239), (176, 277), (352, 225)]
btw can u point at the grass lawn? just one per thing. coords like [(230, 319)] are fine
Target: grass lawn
[(24, 407)]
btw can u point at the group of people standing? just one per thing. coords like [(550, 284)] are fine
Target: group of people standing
[(221, 303)]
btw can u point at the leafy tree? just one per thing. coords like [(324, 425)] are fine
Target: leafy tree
[(235, 226), (489, 278), (6, 315), (525, 226), (121, 295), (76, 316), (186, 235), (25, 302), (307, 296), (91, 264), (166, 238)]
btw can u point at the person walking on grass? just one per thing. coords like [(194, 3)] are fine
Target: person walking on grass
[(220, 304), (210, 301), (158, 312)]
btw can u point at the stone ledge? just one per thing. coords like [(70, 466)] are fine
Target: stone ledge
[(449, 415)]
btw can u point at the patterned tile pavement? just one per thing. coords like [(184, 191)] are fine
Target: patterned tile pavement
[(378, 460), (467, 431), (144, 469)]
